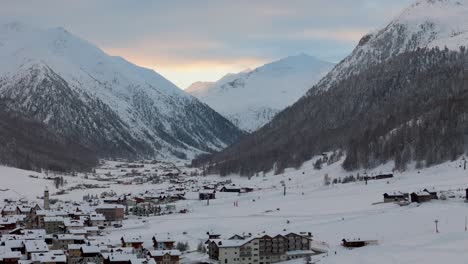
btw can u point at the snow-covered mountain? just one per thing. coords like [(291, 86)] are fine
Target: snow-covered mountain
[(400, 95), (101, 101), (426, 23), (252, 98)]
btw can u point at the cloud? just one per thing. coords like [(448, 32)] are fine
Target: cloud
[(199, 34), (346, 35)]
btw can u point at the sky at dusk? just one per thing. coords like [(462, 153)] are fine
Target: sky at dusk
[(202, 40)]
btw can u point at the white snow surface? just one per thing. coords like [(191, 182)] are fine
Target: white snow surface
[(251, 98), (331, 213)]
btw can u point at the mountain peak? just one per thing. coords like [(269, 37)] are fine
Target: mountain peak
[(252, 98), (123, 110)]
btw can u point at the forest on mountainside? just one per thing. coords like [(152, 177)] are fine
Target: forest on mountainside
[(29, 145), (412, 107)]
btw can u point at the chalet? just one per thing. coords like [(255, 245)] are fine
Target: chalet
[(9, 256), (142, 261), (165, 256), (433, 194), (230, 189), (90, 254), (207, 195), (133, 242), (51, 257), (213, 236), (357, 243), (7, 224), (116, 258), (15, 246), (74, 253), (163, 243), (421, 197), (10, 210), (97, 220), (35, 246), (395, 197)]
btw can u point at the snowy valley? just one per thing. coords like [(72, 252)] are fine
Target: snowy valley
[(251, 98), (299, 161), (355, 210)]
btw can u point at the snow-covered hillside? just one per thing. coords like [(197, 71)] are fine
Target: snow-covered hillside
[(105, 102), (426, 23), (252, 98)]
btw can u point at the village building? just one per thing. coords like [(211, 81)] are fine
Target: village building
[(165, 243), (34, 246), (8, 256), (61, 241), (356, 243), (143, 261), (165, 256), (207, 195), (7, 224), (51, 257), (395, 197), (113, 213), (97, 220), (53, 224), (264, 249), (134, 242), (117, 258), (424, 196)]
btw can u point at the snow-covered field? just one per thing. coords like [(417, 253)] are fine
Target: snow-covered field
[(405, 234)]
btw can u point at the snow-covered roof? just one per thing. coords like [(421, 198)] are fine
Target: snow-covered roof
[(5, 252), (109, 206), (70, 237), (132, 239), (53, 219), (35, 246), (159, 253), (72, 223), (142, 261), (53, 256), (117, 257), (90, 249)]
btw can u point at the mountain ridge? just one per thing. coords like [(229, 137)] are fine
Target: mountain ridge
[(113, 106), (399, 87)]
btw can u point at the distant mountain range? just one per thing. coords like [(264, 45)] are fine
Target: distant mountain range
[(101, 102), (399, 96), (251, 98)]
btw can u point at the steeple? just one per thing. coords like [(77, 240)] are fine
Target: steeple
[(46, 199)]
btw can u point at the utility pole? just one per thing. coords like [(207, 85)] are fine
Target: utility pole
[(436, 226)]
